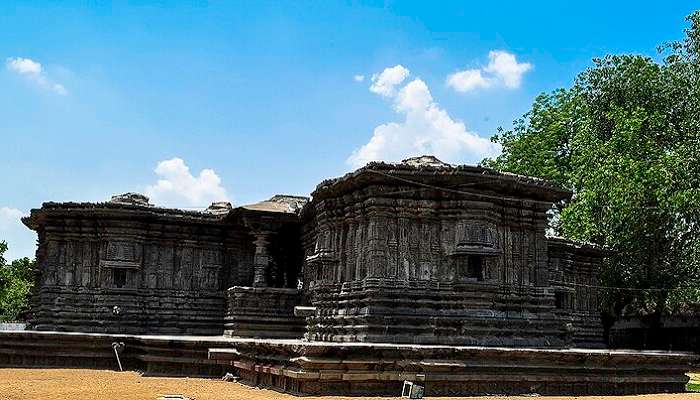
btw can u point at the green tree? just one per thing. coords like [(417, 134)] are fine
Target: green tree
[(16, 281), (626, 140)]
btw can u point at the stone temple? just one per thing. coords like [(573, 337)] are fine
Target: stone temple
[(418, 270)]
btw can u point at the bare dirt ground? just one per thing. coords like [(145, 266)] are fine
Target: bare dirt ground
[(78, 384)]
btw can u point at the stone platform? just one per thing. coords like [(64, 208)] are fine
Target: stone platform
[(324, 368), (151, 354)]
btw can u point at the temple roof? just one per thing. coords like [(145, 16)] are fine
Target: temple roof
[(280, 203), (136, 204), (424, 171), (428, 171)]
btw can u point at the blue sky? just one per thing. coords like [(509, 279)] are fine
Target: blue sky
[(192, 102)]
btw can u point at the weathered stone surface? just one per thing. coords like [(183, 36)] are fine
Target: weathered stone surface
[(167, 270), (263, 312), (425, 252), (380, 369), (134, 199), (413, 252), (356, 368), (400, 269), (219, 208), (574, 272), (153, 355)]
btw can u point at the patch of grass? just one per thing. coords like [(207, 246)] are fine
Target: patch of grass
[(694, 383)]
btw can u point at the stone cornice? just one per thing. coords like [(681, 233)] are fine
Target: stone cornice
[(443, 175)]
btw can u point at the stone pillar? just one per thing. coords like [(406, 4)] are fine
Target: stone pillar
[(262, 258)]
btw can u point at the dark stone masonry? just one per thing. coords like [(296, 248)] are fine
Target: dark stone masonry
[(125, 266), (423, 252), (390, 272)]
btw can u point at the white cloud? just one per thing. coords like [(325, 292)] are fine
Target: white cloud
[(24, 66), (507, 68), (470, 79), (385, 83), (426, 129), (21, 241), (33, 71), (359, 78), (177, 187), (503, 69)]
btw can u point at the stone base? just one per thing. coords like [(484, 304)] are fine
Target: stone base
[(382, 310), (151, 354), (322, 368), (263, 312)]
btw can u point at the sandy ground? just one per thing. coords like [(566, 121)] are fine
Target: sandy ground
[(76, 384)]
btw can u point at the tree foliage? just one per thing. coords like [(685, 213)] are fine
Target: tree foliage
[(626, 140), (16, 281)]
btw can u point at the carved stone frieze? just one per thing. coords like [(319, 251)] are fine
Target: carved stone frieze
[(414, 252), (166, 270), (397, 259)]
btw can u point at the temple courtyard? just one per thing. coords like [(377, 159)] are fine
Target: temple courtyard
[(83, 384)]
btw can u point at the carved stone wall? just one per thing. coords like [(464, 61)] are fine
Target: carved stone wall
[(416, 252), (574, 277), (132, 268), (419, 240), (264, 312), (391, 257)]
